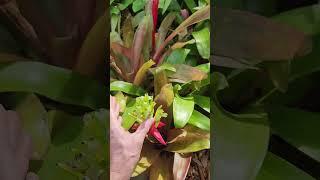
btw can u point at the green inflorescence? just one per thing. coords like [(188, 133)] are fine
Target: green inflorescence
[(144, 109)]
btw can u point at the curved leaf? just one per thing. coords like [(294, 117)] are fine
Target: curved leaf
[(177, 56), (257, 37), (199, 120), (126, 88), (35, 121), (181, 166), (187, 140), (200, 15), (148, 156), (203, 102), (286, 122), (238, 155), (182, 110), (53, 82), (276, 168), (162, 170), (202, 38), (93, 50), (185, 74), (140, 76)]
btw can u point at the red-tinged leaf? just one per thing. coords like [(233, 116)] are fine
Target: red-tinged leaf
[(256, 37), (187, 140), (119, 49), (184, 13), (181, 164), (139, 42), (155, 4), (162, 169), (185, 74), (140, 76), (198, 16), (148, 156), (164, 27)]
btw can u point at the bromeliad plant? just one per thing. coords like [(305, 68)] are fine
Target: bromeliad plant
[(164, 75), (51, 54)]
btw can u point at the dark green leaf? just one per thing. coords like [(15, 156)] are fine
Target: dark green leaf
[(276, 168), (138, 5), (177, 56), (56, 83), (203, 102)]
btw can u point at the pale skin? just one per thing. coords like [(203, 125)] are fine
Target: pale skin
[(15, 148), (125, 147)]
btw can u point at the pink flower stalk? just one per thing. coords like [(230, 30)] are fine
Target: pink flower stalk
[(155, 132), (155, 4)]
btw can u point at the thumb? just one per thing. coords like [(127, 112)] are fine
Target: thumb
[(32, 176), (145, 127)]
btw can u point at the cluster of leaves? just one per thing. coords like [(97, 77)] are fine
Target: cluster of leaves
[(49, 51), (147, 58), (261, 75)]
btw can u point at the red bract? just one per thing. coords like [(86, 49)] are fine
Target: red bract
[(156, 134), (155, 4)]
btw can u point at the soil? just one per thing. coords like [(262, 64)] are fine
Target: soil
[(200, 166)]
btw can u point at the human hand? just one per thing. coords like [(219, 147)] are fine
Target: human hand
[(15, 148), (125, 147)]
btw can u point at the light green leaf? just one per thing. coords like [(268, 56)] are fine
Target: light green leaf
[(182, 110), (126, 88), (199, 120), (138, 5), (202, 38)]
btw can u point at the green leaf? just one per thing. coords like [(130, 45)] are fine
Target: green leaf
[(164, 4), (286, 122), (124, 4), (203, 102), (126, 88), (191, 5), (204, 67), (187, 140), (276, 168), (196, 17), (199, 120), (240, 146), (164, 27), (177, 56), (202, 38), (137, 19), (56, 83), (182, 110), (67, 135), (35, 121), (138, 5)]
